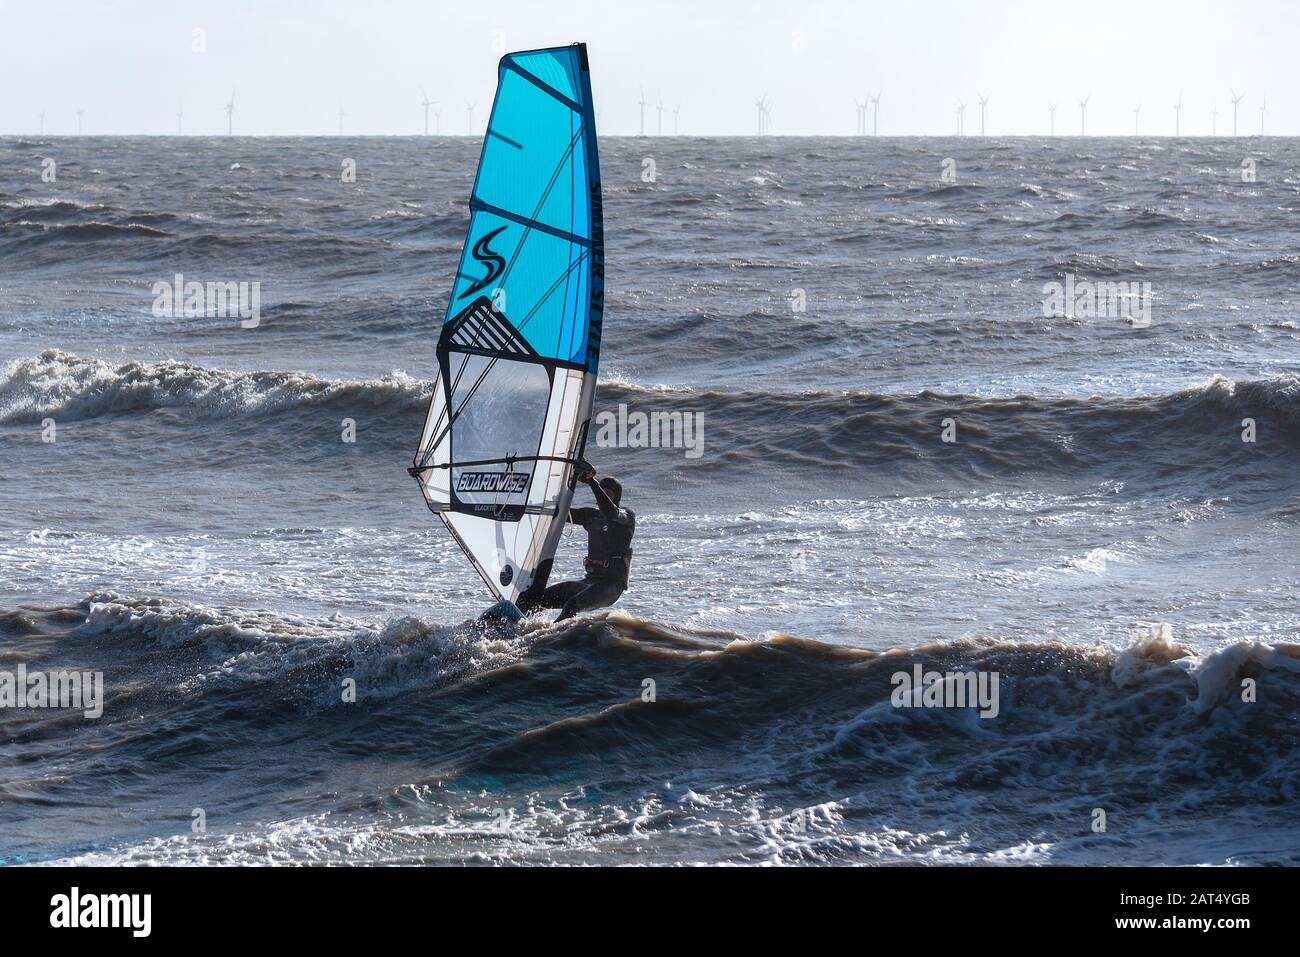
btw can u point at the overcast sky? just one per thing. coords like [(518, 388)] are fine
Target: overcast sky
[(130, 64)]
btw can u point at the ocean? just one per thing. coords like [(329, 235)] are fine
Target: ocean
[(1027, 407)]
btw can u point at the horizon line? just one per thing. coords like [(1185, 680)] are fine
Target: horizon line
[(668, 136)]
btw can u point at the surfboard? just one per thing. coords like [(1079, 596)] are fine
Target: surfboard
[(519, 345)]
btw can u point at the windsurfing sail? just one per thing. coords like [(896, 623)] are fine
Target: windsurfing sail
[(520, 341)]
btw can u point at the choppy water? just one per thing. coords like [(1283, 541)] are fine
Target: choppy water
[(199, 532)]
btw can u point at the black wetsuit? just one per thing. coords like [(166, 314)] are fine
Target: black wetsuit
[(608, 563)]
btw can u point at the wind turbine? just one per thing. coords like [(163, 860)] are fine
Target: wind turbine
[(1262, 107), (230, 115), (469, 108), (660, 108), (1178, 116), (426, 102), (1214, 119), (1236, 102), (862, 117), (984, 102), (761, 104), (676, 110), (1052, 110), (1137, 115), (79, 114), (437, 122), (875, 113), (341, 115), (180, 115), (643, 104), (1083, 115), (961, 118)]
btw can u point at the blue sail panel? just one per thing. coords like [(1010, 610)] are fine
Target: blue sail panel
[(534, 226), (558, 69), (534, 158), (539, 280)]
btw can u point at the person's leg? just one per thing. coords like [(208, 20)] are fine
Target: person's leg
[(594, 595), (553, 597)]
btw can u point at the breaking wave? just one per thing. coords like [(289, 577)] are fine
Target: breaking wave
[(746, 735), (63, 385), (1156, 439)]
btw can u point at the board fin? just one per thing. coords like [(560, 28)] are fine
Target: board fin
[(502, 611)]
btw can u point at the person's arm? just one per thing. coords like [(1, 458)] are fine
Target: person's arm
[(586, 473), (581, 516), (608, 510)]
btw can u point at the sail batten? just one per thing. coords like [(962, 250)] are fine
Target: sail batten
[(479, 206), (518, 349)]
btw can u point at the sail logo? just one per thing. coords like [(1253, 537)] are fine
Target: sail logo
[(512, 483), (492, 260)]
